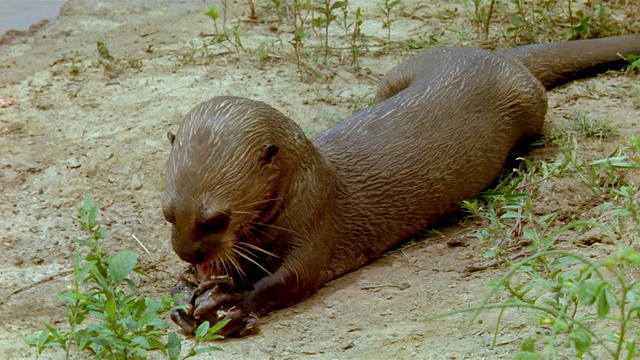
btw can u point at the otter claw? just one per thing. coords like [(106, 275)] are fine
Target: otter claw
[(183, 315), (241, 322), (213, 300)]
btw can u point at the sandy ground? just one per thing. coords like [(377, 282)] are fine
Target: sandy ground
[(82, 127)]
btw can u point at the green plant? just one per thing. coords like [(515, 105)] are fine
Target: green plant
[(277, 4), (212, 12), (298, 43), (232, 35), (602, 21), (268, 50), (326, 9), (105, 319), (481, 16), (299, 7), (385, 8), (103, 50), (345, 18), (135, 63), (590, 305), (356, 40), (198, 51), (588, 126), (634, 62)]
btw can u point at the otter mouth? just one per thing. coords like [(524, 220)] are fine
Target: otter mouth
[(204, 271), (248, 255)]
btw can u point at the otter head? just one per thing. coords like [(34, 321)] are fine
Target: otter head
[(231, 164)]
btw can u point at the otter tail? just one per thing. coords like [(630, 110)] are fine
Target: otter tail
[(556, 63)]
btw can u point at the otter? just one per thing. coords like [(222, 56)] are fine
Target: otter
[(265, 215)]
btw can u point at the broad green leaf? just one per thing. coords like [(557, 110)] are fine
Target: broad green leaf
[(202, 330), (121, 265), (633, 58), (206, 349), (605, 302), (69, 296), (581, 340), (587, 292), (142, 341), (564, 261), (526, 355), (93, 214), (174, 346), (110, 309), (528, 345), (516, 20)]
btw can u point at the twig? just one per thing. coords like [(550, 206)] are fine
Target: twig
[(486, 25), (143, 247), (39, 282), (494, 263)]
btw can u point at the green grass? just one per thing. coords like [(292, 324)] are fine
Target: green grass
[(590, 305)]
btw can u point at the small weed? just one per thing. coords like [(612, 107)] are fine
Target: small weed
[(298, 43), (423, 42), (299, 7), (345, 18), (326, 9), (232, 35), (385, 8), (197, 52), (634, 62), (633, 93), (481, 16), (268, 50), (588, 126), (76, 63), (356, 40), (578, 302), (212, 12), (103, 50), (279, 8), (538, 21), (135, 63), (105, 320), (602, 21)]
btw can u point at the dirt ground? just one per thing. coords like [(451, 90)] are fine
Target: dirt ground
[(81, 127)]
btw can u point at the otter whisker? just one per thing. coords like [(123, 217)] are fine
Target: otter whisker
[(248, 246), (246, 212), (239, 252), (236, 266), (247, 196), (274, 226), (258, 230), (260, 202), (222, 261)]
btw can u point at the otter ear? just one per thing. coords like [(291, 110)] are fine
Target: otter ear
[(171, 136), (268, 153)]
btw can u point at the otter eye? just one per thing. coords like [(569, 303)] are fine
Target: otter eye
[(268, 153), (215, 224)]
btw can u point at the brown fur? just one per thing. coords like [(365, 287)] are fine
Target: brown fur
[(249, 193)]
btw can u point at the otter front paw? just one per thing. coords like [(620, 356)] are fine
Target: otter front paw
[(183, 316), (213, 300), (216, 307)]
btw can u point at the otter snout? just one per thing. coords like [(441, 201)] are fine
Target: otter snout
[(201, 240)]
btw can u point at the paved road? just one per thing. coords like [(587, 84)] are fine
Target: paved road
[(20, 14)]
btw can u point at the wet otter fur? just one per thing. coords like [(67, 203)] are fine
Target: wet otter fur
[(266, 216)]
